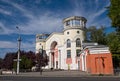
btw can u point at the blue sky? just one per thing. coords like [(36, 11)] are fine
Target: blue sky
[(44, 16)]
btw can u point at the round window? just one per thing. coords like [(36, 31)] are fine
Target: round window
[(78, 32), (67, 32)]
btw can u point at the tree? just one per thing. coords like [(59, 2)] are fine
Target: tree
[(96, 35), (113, 43), (114, 46), (1, 63), (42, 59), (27, 60), (31, 55), (114, 14), (25, 63), (9, 60), (114, 38)]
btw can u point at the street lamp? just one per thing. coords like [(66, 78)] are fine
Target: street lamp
[(18, 56)]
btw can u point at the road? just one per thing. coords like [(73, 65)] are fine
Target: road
[(27, 78)]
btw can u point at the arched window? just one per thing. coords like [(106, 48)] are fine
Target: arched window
[(68, 43), (78, 42)]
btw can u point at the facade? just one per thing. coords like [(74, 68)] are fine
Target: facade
[(63, 48), (67, 51), (96, 59)]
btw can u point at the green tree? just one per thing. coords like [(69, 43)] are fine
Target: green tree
[(114, 14), (113, 43), (114, 46), (25, 63), (113, 39), (96, 35)]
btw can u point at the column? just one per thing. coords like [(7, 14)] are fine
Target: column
[(59, 59), (73, 22), (50, 62), (83, 23), (80, 23)]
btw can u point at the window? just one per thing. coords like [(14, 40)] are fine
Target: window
[(78, 32), (67, 32), (77, 23), (78, 52), (67, 23), (68, 53), (68, 43), (78, 42)]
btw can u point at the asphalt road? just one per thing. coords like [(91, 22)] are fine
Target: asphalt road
[(27, 78)]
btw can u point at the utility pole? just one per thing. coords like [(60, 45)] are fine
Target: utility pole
[(18, 56)]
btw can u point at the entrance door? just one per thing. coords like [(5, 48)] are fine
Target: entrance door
[(99, 65), (56, 64)]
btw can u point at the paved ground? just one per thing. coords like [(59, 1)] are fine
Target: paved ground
[(55, 74), (22, 78), (51, 74)]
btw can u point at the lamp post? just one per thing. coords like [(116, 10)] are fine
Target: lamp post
[(18, 55)]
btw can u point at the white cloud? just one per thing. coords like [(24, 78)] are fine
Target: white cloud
[(50, 22), (7, 44), (27, 45), (4, 29), (11, 44), (5, 12), (20, 8), (93, 17), (44, 23), (91, 12)]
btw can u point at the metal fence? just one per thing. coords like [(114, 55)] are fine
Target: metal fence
[(117, 72)]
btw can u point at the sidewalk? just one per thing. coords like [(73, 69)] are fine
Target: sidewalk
[(51, 74), (64, 73)]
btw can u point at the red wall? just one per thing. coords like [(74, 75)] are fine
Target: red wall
[(99, 63), (69, 61)]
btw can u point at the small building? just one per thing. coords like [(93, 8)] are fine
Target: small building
[(96, 59)]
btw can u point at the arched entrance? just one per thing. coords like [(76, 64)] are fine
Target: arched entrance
[(54, 55)]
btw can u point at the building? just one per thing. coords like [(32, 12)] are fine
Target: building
[(63, 48), (96, 59), (67, 51)]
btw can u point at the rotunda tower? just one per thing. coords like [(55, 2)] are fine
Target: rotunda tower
[(74, 26), (74, 36)]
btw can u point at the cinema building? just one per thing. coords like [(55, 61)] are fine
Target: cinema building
[(65, 49)]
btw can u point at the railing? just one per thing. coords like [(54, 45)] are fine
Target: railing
[(117, 72)]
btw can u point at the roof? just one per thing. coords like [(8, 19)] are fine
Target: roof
[(75, 18), (53, 34), (94, 48)]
